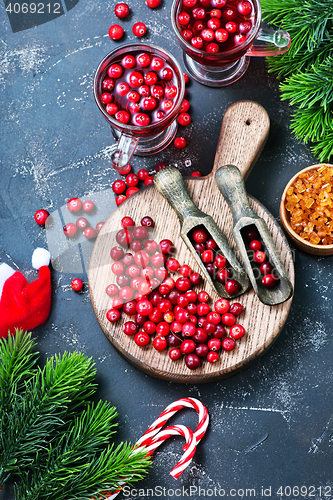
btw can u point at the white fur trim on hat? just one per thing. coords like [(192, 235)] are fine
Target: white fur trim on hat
[(40, 257), (5, 272)]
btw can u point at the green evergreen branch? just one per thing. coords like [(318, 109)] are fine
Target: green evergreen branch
[(78, 466), (31, 424)]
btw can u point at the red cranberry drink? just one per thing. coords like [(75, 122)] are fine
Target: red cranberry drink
[(218, 34), (140, 89)]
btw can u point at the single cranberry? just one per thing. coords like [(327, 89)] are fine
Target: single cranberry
[(237, 332), (189, 3), (214, 317), (266, 268), (200, 336), (115, 71), (203, 309), (221, 35), (167, 104), (139, 29), (201, 350), (200, 247), (166, 246), (184, 18), (187, 34), (143, 174), (158, 259), (222, 306), (143, 60), (183, 284), (153, 4), (77, 284), (70, 229), (208, 35), (126, 170), (106, 98), (259, 257), (121, 10), (176, 327), (270, 280), (236, 308), (156, 316), (140, 319), (184, 119), (170, 282), (185, 106), (166, 74), (117, 268), (120, 199), (229, 14), (144, 90), (164, 305), (218, 3), (192, 361), (180, 142), (191, 295), (156, 63), (214, 344), (133, 271), (141, 339), (191, 308), (207, 256), (150, 245), (228, 319), (124, 237), (213, 48), (250, 234), (108, 84), (118, 186), (112, 290), (182, 316), (245, 27), (147, 222), (188, 329), (219, 332), (145, 287), (160, 343), (155, 297), (209, 328), (122, 88), (169, 317), (74, 205), (149, 327), (113, 315), (223, 275), (175, 354), (141, 258), (244, 8), (232, 287), (41, 216), (129, 308), (200, 235), (163, 329), (185, 271), (147, 272), (161, 273), (172, 265), (255, 245), (228, 344), (213, 357), (117, 302), (127, 222), (187, 346), (197, 43), (99, 226), (182, 301), (173, 296), (202, 322), (220, 261), (203, 296), (231, 27), (216, 13), (116, 253), (196, 279), (140, 233), (116, 32), (128, 61), (144, 307), (130, 328), (126, 292), (111, 109)]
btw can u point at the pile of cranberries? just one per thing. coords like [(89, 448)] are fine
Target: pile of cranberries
[(75, 205), (166, 307), (216, 25), (216, 264), (258, 257)]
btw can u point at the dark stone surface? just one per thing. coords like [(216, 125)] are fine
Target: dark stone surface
[(271, 425)]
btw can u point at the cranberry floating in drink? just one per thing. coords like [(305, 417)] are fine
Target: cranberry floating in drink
[(217, 36), (139, 89)]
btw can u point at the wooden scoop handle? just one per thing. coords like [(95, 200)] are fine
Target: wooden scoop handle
[(170, 183), (243, 134)]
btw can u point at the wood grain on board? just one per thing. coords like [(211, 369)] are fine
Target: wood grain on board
[(243, 134)]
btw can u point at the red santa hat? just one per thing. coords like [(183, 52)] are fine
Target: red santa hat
[(22, 304)]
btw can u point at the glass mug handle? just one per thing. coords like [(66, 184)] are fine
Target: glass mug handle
[(124, 152), (278, 43)]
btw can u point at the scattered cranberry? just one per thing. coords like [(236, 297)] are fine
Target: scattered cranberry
[(160, 343), (180, 142), (141, 339), (222, 306), (228, 344), (153, 4), (119, 186), (175, 354), (149, 180), (228, 319), (121, 10), (192, 361), (166, 246), (237, 332), (236, 308), (116, 32), (196, 279), (172, 265), (147, 222), (213, 357), (112, 290), (82, 223), (90, 233), (143, 174), (160, 165), (70, 229), (120, 199), (203, 296), (41, 216), (113, 315), (99, 226), (266, 268), (88, 206), (184, 119), (77, 284), (139, 29), (74, 205)]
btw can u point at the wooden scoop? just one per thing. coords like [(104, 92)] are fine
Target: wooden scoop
[(171, 185), (230, 182)]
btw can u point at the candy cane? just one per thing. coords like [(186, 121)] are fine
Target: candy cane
[(154, 436), (170, 411)]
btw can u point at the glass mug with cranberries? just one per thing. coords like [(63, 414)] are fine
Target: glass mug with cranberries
[(139, 89), (217, 37)]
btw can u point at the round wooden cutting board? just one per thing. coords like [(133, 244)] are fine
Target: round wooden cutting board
[(243, 134)]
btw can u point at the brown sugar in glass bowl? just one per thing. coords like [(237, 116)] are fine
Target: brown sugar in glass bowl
[(306, 209)]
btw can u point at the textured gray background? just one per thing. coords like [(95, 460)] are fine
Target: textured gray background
[(271, 425)]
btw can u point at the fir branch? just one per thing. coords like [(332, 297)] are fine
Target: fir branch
[(80, 465), (64, 383)]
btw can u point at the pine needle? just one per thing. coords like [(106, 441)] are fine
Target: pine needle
[(34, 418), (307, 68)]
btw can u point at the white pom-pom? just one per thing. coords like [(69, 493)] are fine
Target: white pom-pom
[(40, 257)]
